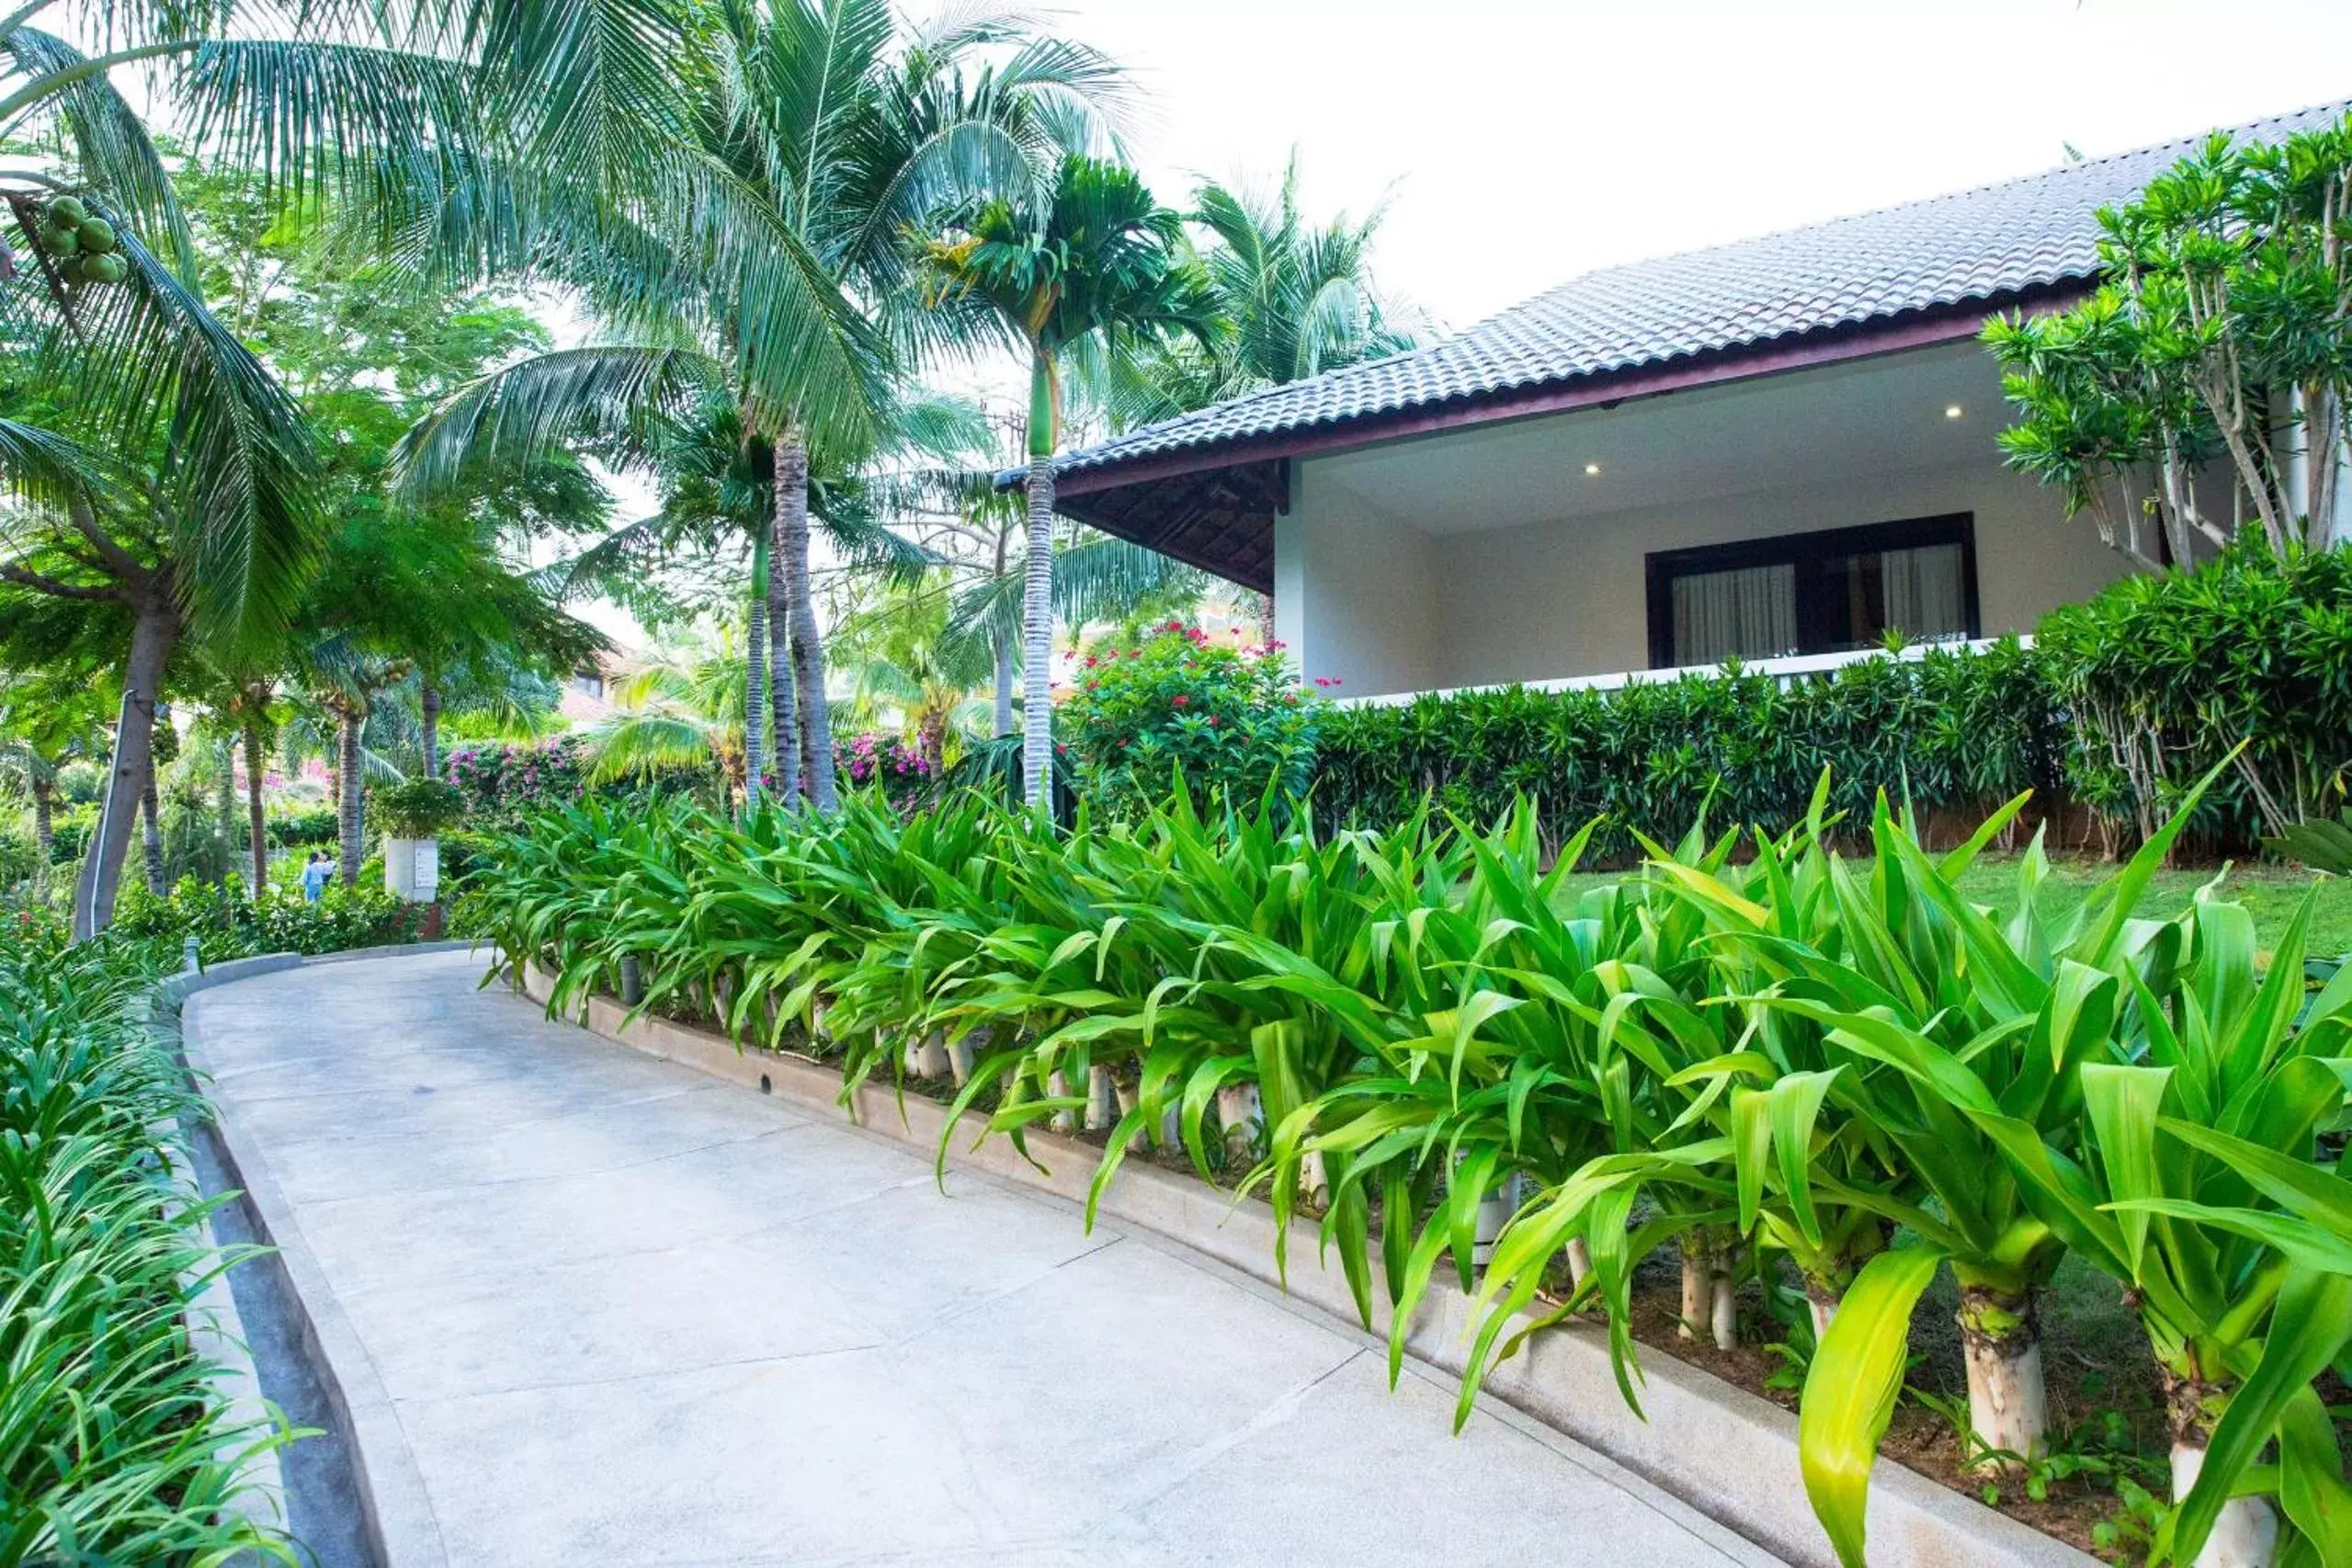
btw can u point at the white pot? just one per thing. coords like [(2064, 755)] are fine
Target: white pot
[(413, 869)]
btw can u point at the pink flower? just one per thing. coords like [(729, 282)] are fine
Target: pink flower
[(1181, 700), (1212, 717)]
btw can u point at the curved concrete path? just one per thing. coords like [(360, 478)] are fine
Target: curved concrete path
[(619, 1313)]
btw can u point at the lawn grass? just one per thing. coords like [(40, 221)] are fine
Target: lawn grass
[(2270, 892)]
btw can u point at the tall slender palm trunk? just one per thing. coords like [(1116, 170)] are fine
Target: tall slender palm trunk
[(428, 715), (784, 720), (1037, 625), (150, 830), (257, 825), (808, 650), (225, 802), (350, 791), (44, 832), (154, 628), (755, 697), (1003, 651)]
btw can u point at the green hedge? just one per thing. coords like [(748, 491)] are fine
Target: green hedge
[(1957, 730), (2162, 676), (2121, 703)]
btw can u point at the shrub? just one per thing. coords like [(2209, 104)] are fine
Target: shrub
[(114, 1444), (20, 857), (70, 834), (227, 925), (2160, 675), (416, 807), (887, 763), (1950, 729), (303, 825), (1226, 720), (81, 783)]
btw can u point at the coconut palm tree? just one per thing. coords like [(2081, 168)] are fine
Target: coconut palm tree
[(775, 278), (1093, 258)]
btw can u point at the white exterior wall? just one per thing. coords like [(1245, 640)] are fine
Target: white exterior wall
[(1356, 595), (1571, 598), (1438, 582)]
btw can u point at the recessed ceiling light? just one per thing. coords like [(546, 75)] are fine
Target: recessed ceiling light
[(1953, 411), (1592, 468)]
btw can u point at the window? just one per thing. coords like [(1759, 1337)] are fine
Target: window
[(588, 683), (1814, 593)]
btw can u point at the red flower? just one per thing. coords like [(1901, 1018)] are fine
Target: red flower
[(1181, 700), (1212, 717)]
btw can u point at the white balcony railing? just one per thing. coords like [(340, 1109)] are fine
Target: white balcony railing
[(1785, 669)]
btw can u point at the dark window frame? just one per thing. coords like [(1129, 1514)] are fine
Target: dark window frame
[(1801, 550)]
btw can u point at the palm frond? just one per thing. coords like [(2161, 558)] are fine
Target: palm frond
[(618, 396)]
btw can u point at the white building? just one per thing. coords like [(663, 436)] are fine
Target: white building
[(1777, 447)]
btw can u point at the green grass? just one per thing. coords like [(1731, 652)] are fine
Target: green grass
[(2269, 891)]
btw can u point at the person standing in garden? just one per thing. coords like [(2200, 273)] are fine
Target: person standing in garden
[(315, 872)]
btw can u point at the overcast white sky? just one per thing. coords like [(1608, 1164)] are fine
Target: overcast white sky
[(1529, 141)]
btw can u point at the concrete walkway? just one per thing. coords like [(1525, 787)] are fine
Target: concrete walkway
[(626, 1315)]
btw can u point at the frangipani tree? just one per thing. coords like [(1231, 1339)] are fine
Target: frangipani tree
[(1090, 258), (2227, 280)]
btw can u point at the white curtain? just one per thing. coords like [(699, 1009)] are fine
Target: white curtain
[(1750, 613), (1926, 599)]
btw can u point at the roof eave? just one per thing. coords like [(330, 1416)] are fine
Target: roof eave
[(1811, 351)]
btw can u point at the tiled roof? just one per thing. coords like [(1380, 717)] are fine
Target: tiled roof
[(1980, 244)]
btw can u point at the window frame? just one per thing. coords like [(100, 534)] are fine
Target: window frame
[(1805, 550)]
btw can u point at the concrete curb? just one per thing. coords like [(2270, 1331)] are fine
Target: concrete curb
[(397, 1514), (216, 1333), (1701, 1433)]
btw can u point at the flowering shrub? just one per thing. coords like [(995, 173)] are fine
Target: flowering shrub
[(504, 781), (1227, 720), (887, 763)]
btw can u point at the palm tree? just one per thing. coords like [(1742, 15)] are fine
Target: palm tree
[(196, 521), (680, 708), (772, 275), (1091, 258), (1298, 299)]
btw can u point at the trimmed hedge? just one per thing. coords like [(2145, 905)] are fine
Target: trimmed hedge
[(2119, 706), (1955, 730)]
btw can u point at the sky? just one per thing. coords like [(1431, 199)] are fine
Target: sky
[(1518, 144)]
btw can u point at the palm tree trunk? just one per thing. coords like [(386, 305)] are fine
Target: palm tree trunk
[(44, 833), (224, 804), (429, 710), (349, 790), (1003, 651), (808, 651), (754, 698), (1036, 624), (151, 829), (257, 825), (784, 718), (154, 628)]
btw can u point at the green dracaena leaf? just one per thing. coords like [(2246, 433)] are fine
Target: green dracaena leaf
[(1851, 1391)]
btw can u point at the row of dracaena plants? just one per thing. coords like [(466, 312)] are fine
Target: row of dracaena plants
[(116, 1445), (1436, 1044)]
